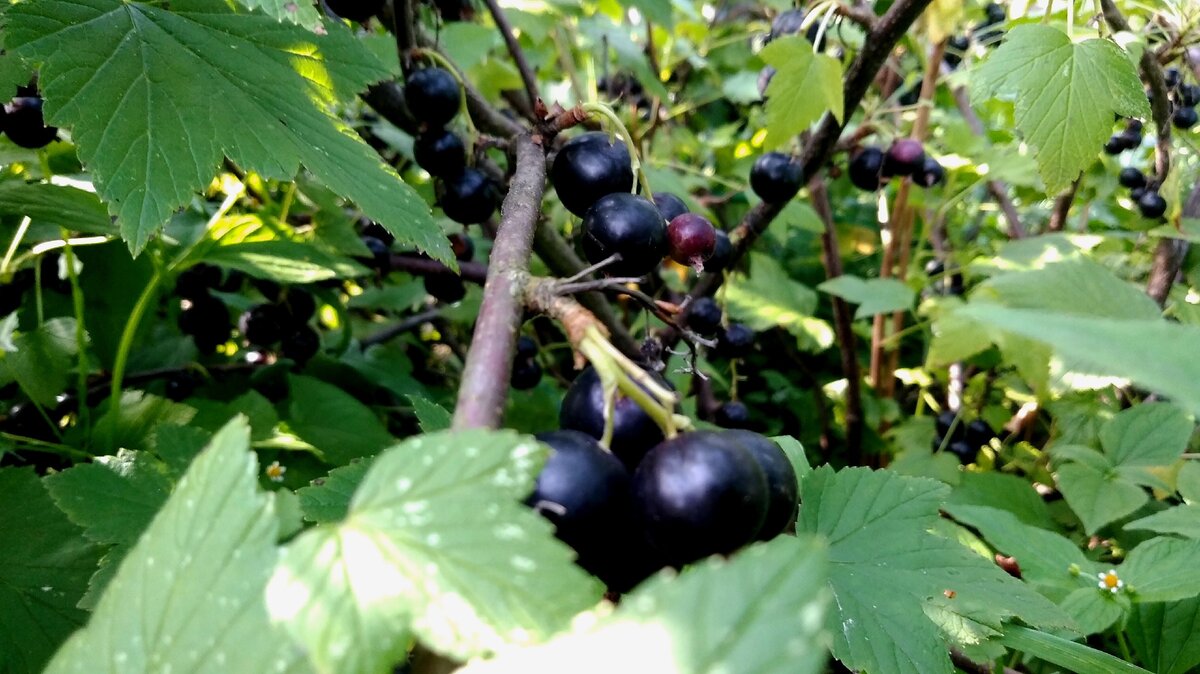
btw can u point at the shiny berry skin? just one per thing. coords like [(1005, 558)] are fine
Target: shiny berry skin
[(440, 152), (1185, 117), (355, 10), (1189, 95), (735, 341), (704, 316), (722, 254), (433, 96), (1152, 205), (956, 48), (995, 13), (1136, 193), (1131, 178), (526, 348), (700, 494), (783, 489), (965, 452), (775, 177), (692, 239), (1115, 145), (197, 280), (262, 325), (930, 174), (588, 167), (207, 321), (669, 205), (446, 287), (1171, 77), (786, 23), (25, 125), (301, 344), (525, 374), (905, 157), (629, 225), (732, 414), (866, 169), (468, 198), (462, 246), (634, 432)]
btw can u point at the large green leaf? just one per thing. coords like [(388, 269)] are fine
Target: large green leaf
[(189, 596), (334, 422), (42, 361), (1166, 636), (114, 498), (1163, 569), (873, 296), (45, 563), (74, 209), (327, 499), (1066, 94), (435, 541), (283, 261), (769, 298), (1075, 285), (1182, 520), (1098, 496), (804, 87), (155, 98), (1152, 434), (761, 612), (892, 578), (301, 12)]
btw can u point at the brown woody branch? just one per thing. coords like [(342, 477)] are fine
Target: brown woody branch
[(475, 272), (1168, 257), (1062, 207)]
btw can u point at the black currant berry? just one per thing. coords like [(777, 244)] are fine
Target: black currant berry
[(905, 157), (197, 280), (468, 198), (207, 321), (446, 287), (1171, 77), (25, 125), (526, 373), (995, 13), (866, 169), (355, 10), (775, 177), (965, 452), (455, 10), (786, 23), (433, 96), (669, 205), (956, 49), (588, 167), (378, 231), (628, 225), (722, 254), (945, 422), (1115, 145), (180, 385), (783, 489), (462, 246), (979, 433), (1189, 95), (1132, 178), (440, 152), (704, 316), (381, 253), (732, 414), (634, 432), (1136, 193), (930, 174), (700, 494), (735, 341), (527, 348), (262, 324), (1185, 117), (298, 307), (692, 239), (301, 344), (1152, 205)]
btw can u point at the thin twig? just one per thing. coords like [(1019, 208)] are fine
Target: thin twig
[(998, 188), (1062, 207), (406, 324), (475, 272), (514, 50)]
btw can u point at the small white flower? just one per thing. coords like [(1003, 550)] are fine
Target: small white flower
[(1109, 581), (275, 471)]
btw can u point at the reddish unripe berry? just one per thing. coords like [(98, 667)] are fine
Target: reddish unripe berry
[(693, 239)]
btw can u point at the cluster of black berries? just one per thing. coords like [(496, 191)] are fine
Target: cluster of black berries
[(448, 287), (22, 121), (593, 178), (1127, 139), (1149, 202), (204, 317), (465, 193), (871, 167), (1185, 97), (454, 10), (965, 439), (988, 31), (284, 321), (736, 340), (623, 87), (526, 372), (654, 502)]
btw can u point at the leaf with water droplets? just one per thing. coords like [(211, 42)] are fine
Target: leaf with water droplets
[(435, 542)]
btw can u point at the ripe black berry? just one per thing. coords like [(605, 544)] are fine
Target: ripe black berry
[(866, 169), (455, 10), (179, 385), (262, 325), (956, 48), (525, 374), (207, 321), (735, 341), (462, 246), (1171, 76), (722, 254), (355, 10), (440, 152), (905, 157), (197, 280), (1152, 205), (381, 253), (1185, 117), (1132, 178), (931, 173), (634, 432), (628, 225), (978, 433), (25, 125), (700, 494), (669, 205), (704, 316), (446, 287), (378, 231), (1189, 94), (1115, 145), (965, 452), (588, 167), (433, 96), (775, 177), (526, 347), (733, 414), (995, 13), (692, 239), (298, 307), (1136, 193), (301, 344), (782, 486), (790, 23), (468, 198)]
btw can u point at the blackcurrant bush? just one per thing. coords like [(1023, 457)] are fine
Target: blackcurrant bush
[(527, 348), (722, 254), (700, 494), (25, 125), (692, 239), (775, 177), (628, 225), (905, 157), (733, 414), (866, 169), (300, 344), (588, 167), (669, 205), (965, 452), (468, 198), (262, 324), (355, 10), (526, 373), (446, 287), (1185, 117), (197, 280), (735, 341), (634, 432), (433, 96), (783, 489), (1152, 205), (704, 316), (931, 173), (440, 152), (1131, 178), (462, 246)]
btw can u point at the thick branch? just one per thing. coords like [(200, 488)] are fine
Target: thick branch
[(488, 368), (1159, 106), (1168, 257), (514, 50), (998, 188)]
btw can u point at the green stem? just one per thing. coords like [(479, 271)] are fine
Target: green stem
[(13, 245), (1124, 646), (81, 387), (604, 112), (288, 197), (131, 326), (37, 294)]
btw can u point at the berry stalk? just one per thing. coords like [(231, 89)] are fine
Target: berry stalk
[(601, 111)]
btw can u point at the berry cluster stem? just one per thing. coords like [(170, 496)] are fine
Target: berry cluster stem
[(601, 111)]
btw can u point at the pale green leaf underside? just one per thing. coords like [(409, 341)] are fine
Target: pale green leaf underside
[(804, 87), (155, 98), (874, 296), (1066, 94), (302, 12)]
